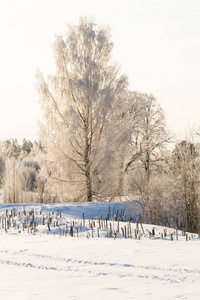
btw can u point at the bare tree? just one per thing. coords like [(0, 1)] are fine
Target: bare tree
[(78, 104), (150, 136), (12, 184)]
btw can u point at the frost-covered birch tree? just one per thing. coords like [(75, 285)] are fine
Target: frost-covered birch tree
[(79, 103), (185, 173), (127, 126), (150, 137), (12, 184)]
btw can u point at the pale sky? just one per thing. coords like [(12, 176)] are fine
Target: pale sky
[(156, 43)]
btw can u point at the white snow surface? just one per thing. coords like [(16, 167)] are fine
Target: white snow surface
[(48, 265)]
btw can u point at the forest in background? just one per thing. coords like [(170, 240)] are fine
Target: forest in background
[(100, 140)]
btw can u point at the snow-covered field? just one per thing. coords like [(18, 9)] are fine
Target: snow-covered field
[(53, 265)]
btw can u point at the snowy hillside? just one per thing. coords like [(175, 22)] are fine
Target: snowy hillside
[(56, 252)]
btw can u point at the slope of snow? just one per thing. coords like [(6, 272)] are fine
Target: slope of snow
[(46, 265), (71, 210)]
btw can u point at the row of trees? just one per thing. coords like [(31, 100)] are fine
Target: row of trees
[(13, 149), (100, 139), (96, 128), (169, 196)]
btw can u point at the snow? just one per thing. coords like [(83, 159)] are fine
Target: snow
[(46, 265)]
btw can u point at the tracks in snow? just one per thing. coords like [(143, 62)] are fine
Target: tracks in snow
[(25, 258)]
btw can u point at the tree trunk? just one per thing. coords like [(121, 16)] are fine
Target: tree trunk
[(87, 165), (88, 188), (120, 191), (147, 165)]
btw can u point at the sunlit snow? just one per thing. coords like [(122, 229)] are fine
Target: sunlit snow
[(43, 264)]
